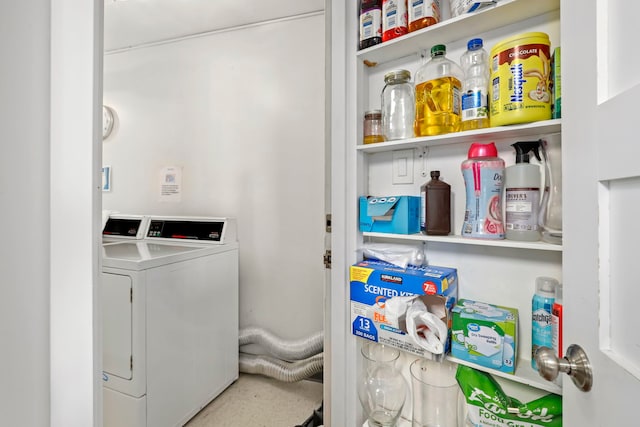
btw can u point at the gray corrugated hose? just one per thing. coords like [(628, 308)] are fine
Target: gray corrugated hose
[(280, 348), (288, 361), (281, 370)]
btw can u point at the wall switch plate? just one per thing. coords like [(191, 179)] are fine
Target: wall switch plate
[(403, 166)]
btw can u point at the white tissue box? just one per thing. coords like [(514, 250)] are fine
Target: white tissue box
[(485, 334), (374, 282)]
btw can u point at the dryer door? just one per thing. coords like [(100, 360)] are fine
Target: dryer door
[(116, 325)]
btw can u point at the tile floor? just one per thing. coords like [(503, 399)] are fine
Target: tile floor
[(259, 401)]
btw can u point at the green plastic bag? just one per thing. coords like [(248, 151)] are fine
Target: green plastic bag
[(489, 406)]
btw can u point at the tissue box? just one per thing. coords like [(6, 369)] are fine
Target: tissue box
[(373, 282), (390, 214), (485, 334)]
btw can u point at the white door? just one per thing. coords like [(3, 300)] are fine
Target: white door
[(601, 152)]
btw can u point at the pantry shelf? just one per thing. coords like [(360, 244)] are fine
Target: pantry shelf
[(459, 240), (457, 28), (524, 374), (533, 130)]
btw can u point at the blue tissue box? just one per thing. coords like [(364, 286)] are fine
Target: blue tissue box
[(390, 214)]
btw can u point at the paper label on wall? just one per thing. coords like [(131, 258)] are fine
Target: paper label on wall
[(170, 184)]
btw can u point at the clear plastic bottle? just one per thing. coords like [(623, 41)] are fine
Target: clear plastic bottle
[(438, 85), (522, 194), (475, 87), (398, 102)]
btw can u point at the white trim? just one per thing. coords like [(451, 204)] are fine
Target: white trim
[(75, 200), (218, 31)]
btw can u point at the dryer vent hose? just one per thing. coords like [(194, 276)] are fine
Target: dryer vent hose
[(281, 349), (287, 360), (281, 370)]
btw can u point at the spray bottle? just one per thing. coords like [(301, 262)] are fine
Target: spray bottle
[(522, 194), (541, 308)]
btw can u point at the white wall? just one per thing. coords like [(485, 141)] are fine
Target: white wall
[(242, 113), (24, 189), (49, 175)]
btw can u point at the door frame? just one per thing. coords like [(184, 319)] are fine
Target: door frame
[(75, 204)]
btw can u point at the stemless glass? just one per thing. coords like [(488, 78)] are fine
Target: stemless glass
[(435, 394)]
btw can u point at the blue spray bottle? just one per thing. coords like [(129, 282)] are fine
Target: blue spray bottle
[(541, 312)]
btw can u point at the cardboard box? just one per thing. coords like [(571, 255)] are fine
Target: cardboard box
[(485, 334), (374, 282), (390, 214), (460, 7), (555, 86)]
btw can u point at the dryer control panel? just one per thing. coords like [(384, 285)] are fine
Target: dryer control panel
[(201, 230), (125, 227)]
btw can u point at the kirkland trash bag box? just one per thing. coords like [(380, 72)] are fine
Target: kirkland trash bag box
[(390, 214), (407, 308)]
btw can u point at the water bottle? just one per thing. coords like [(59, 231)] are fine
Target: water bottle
[(438, 84), (541, 312), (398, 103), (475, 87)]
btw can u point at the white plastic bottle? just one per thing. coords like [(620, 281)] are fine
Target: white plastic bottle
[(522, 194), (475, 87)]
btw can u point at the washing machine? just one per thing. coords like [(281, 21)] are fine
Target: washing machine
[(169, 317)]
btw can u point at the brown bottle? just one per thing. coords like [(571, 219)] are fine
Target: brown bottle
[(437, 206)]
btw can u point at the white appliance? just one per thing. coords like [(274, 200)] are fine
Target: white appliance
[(170, 317)]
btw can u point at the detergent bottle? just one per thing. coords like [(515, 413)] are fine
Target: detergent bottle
[(522, 194), (483, 173)]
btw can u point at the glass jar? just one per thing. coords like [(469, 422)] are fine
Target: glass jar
[(372, 127), (398, 105)]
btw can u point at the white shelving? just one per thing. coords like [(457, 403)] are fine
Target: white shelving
[(504, 13), (524, 375), (455, 248), (528, 130), (459, 240)]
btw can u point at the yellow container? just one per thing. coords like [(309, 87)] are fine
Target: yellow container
[(519, 89)]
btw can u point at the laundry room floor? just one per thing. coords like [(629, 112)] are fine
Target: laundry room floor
[(259, 401)]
